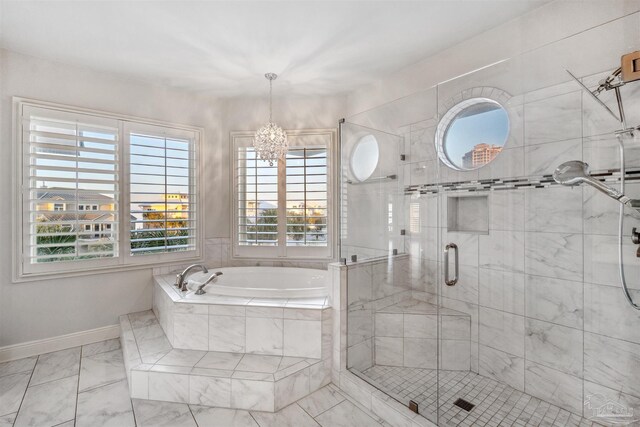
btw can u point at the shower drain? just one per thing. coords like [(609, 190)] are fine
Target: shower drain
[(461, 403)]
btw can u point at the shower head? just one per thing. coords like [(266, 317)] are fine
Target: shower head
[(575, 172), (594, 95)]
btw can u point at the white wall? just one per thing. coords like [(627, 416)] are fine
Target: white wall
[(48, 308), (547, 24)]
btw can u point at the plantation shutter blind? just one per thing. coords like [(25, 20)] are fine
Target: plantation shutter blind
[(162, 190), (283, 210), (307, 204), (257, 203), (70, 162)]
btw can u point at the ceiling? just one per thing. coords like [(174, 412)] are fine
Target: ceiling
[(225, 47)]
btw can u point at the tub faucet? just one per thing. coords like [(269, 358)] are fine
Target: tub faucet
[(181, 282), (211, 279)]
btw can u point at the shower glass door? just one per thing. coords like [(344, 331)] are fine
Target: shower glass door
[(390, 225)]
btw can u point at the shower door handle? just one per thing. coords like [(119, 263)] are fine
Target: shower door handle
[(447, 281)]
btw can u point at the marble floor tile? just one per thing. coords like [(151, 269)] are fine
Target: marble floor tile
[(291, 416), (7, 420), (105, 406), (100, 347), (259, 363), (101, 369), (346, 414), (56, 365), (222, 417), (16, 366), (321, 401), (142, 319), (179, 357), (12, 388), (151, 413), (49, 404), (219, 360)]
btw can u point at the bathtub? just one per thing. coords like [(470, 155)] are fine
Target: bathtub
[(261, 282)]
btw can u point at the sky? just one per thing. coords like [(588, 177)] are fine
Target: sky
[(489, 127)]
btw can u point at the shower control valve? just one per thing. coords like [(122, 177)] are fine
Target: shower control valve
[(635, 236)]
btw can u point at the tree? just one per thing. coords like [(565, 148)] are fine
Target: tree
[(313, 225), (54, 237), (156, 235)]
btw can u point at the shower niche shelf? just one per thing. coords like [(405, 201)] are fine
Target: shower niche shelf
[(468, 214)]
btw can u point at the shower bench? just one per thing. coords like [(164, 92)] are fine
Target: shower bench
[(406, 334)]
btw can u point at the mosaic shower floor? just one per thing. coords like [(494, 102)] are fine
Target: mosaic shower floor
[(496, 404)]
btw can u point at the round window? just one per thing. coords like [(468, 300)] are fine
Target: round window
[(472, 133), (364, 158)]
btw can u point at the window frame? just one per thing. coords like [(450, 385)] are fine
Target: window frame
[(123, 261), (281, 251)]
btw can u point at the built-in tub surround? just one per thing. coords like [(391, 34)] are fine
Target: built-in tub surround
[(157, 371), (296, 327), (240, 352)]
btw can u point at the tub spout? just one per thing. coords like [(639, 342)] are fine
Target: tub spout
[(181, 282)]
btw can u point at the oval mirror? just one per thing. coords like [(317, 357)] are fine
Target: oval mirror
[(364, 158), (472, 133)]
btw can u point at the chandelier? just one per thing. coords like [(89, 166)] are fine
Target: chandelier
[(270, 141)]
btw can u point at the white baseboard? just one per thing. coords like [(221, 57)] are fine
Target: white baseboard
[(47, 345)]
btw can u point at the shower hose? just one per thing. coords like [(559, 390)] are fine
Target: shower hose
[(623, 281)]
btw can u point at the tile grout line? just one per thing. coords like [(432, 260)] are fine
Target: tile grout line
[(133, 412), (303, 410), (192, 416), (75, 411), (25, 391)]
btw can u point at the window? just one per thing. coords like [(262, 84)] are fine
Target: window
[(161, 191), (88, 207), (364, 159), (99, 191), (284, 209), (472, 133)]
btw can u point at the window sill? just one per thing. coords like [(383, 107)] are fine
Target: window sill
[(36, 277)]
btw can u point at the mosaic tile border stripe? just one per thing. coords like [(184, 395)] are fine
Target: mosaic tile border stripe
[(495, 184)]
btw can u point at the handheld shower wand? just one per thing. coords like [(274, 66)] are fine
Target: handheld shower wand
[(575, 172)]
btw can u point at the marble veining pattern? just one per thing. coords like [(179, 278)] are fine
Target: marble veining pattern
[(54, 403), (56, 365)]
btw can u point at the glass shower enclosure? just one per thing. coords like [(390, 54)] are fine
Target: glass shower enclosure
[(479, 290)]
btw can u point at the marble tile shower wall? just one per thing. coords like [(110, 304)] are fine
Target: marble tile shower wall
[(542, 289)]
